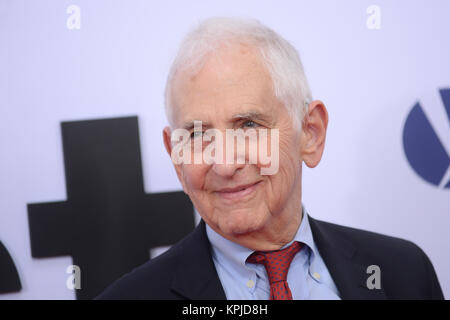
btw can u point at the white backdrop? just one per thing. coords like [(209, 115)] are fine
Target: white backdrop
[(116, 64)]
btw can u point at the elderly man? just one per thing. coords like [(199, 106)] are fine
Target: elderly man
[(256, 239)]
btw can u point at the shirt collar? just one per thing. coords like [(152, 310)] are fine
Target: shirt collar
[(237, 254)]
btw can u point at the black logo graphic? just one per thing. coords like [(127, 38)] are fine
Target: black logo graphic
[(108, 223), (9, 278)]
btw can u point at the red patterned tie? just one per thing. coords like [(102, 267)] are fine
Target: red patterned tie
[(277, 266)]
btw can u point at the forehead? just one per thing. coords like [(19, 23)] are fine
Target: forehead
[(233, 80)]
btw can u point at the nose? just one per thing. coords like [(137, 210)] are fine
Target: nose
[(225, 169), (229, 161)]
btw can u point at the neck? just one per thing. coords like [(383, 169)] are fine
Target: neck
[(276, 233)]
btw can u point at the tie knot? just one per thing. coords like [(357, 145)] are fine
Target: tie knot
[(276, 262)]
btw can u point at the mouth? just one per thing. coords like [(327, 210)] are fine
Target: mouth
[(239, 192)]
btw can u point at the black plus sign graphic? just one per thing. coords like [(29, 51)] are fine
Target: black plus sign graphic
[(108, 223), (9, 278)]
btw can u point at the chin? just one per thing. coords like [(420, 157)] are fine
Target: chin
[(241, 223)]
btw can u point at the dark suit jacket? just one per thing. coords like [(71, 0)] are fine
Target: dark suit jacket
[(187, 271)]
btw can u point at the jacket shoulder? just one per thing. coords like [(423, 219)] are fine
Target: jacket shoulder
[(151, 280), (369, 239), (404, 266)]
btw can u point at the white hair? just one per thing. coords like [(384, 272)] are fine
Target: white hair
[(280, 58)]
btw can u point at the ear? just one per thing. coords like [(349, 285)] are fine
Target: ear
[(314, 131), (167, 134)]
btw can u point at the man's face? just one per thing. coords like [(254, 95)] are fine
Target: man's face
[(234, 91)]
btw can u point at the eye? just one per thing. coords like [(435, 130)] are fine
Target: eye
[(250, 124), (196, 134)]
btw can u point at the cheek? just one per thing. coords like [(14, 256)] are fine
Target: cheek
[(289, 160), (290, 152), (193, 176), (282, 183)]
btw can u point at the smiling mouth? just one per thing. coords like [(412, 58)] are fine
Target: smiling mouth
[(239, 192)]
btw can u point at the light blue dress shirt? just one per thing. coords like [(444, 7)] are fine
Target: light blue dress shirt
[(308, 276)]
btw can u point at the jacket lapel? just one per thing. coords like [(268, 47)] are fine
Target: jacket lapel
[(345, 266), (196, 276)]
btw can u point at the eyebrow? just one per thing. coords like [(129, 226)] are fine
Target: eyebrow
[(250, 115), (189, 125)]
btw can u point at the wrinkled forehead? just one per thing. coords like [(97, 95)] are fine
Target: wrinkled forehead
[(230, 82)]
